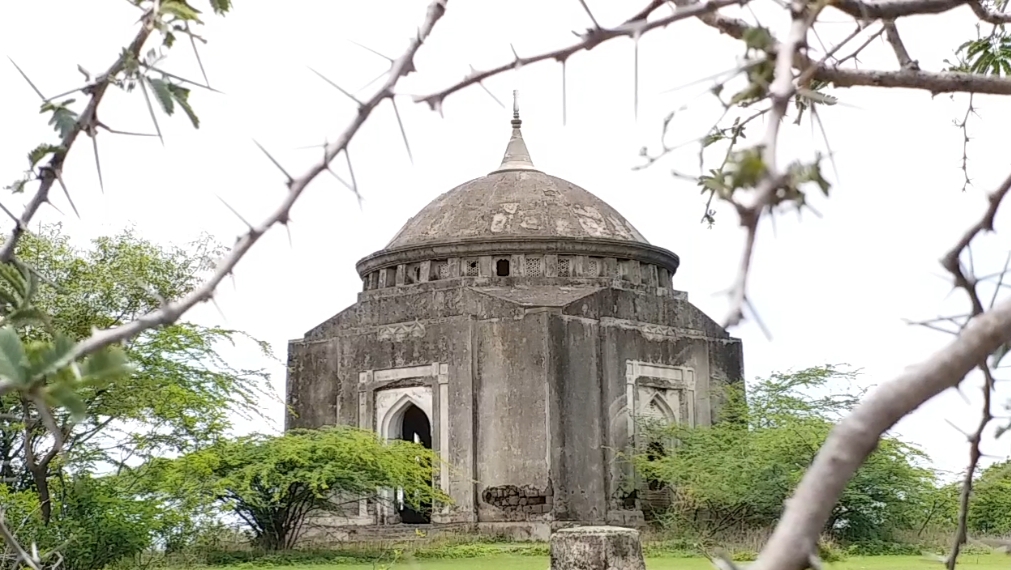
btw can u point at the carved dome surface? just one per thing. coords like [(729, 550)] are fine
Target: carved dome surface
[(513, 203)]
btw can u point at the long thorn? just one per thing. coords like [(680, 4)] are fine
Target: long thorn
[(196, 52), (387, 58), (564, 97), (23, 74), (486, 90), (287, 176), (65, 93), (590, 14), (98, 164), (636, 79), (351, 171), (59, 180), (237, 214), (182, 79), (403, 132), (150, 108), (337, 87)]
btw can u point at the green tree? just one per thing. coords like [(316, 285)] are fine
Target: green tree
[(179, 394), (742, 470), (990, 502), (274, 484)]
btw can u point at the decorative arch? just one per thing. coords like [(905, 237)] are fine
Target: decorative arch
[(658, 403), (393, 420)]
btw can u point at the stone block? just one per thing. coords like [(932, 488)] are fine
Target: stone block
[(596, 548)]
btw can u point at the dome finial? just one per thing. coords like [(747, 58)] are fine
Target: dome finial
[(516, 109), (517, 157)]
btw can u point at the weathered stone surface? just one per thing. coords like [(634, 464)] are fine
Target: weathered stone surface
[(530, 331), (596, 548)]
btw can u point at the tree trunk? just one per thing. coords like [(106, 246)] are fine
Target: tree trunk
[(42, 488)]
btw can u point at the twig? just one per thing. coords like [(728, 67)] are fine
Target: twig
[(589, 40), (171, 311), (13, 542), (53, 169), (857, 435), (750, 212), (974, 454), (892, 35)]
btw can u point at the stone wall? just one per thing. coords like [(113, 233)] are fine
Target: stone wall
[(536, 387)]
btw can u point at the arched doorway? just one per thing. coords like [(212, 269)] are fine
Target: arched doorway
[(415, 427)]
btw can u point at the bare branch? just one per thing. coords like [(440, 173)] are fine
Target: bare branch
[(893, 9), (892, 35), (974, 454), (781, 92), (588, 41), (857, 435), (48, 175), (171, 311)]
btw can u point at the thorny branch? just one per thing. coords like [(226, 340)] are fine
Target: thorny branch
[(633, 28), (52, 172), (173, 310), (857, 435)]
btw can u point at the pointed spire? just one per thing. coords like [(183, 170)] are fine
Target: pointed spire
[(517, 157)]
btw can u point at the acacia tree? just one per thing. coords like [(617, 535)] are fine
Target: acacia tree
[(275, 484), (741, 470), (752, 179)]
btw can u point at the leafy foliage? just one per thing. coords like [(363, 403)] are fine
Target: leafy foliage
[(741, 471), (990, 507), (177, 393), (274, 483)]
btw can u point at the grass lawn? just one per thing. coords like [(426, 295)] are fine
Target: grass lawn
[(524, 562)]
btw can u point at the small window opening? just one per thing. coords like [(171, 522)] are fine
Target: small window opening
[(471, 269), (439, 270), (414, 274), (502, 268)]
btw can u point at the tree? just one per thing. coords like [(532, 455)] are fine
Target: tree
[(990, 506), (741, 471), (179, 393), (275, 484)]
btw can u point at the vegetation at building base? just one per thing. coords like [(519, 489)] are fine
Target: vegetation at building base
[(733, 478), (274, 485), (113, 494)]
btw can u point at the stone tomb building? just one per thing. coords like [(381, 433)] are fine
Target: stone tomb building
[(518, 325)]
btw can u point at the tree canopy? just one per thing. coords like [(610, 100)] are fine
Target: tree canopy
[(275, 484), (178, 392), (741, 471)]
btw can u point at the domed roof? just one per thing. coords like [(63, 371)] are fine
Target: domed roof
[(515, 201), (515, 204)]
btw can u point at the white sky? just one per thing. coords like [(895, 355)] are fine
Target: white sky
[(834, 289)]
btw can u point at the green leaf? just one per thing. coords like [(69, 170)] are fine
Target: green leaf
[(180, 10), (160, 87), (27, 316), (106, 364), (47, 363), (63, 120), (64, 395), (221, 6), (40, 152), (10, 275), (182, 96), (12, 357), (18, 186)]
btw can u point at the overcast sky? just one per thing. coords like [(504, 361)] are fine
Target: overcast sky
[(835, 289)]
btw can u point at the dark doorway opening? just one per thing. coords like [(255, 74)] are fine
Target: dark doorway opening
[(416, 428), (502, 268), (656, 497), (655, 452)]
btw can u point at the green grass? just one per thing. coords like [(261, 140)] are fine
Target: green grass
[(529, 562)]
